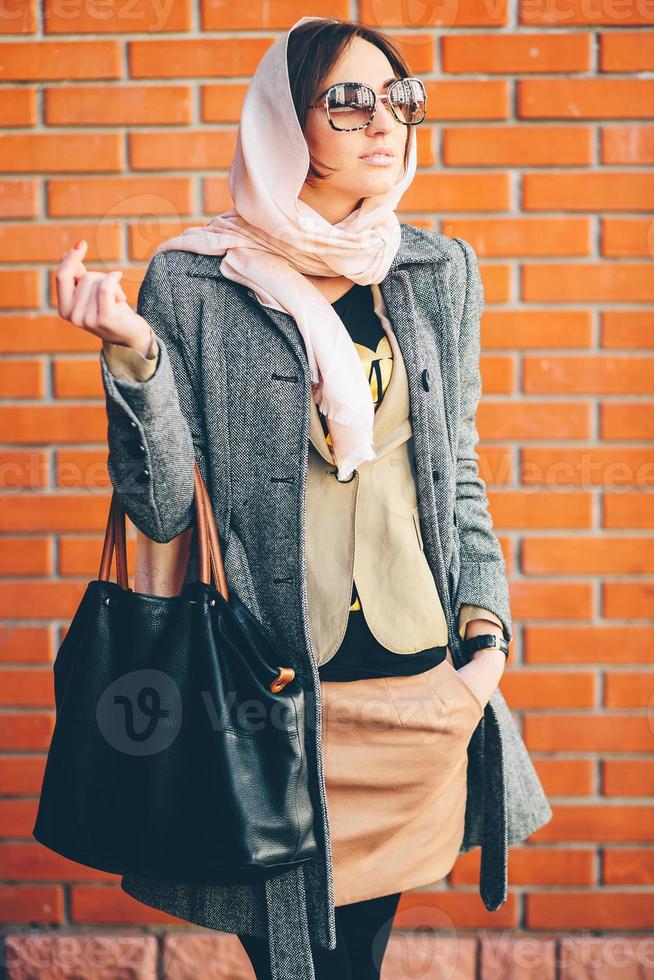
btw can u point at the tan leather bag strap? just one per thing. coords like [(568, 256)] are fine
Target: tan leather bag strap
[(209, 552)]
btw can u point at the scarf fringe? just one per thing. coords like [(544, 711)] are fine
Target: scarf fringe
[(347, 466)]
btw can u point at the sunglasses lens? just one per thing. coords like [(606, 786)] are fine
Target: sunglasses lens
[(350, 105), (408, 98)]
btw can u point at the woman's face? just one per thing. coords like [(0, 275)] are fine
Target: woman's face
[(354, 178)]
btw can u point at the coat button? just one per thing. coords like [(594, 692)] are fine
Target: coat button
[(133, 424), (436, 475), (425, 379)]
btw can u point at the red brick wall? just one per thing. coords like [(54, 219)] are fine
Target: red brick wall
[(119, 127)]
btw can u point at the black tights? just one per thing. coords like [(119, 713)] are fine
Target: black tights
[(362, 933)]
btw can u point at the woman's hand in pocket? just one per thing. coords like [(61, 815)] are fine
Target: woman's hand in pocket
[(483, 673)]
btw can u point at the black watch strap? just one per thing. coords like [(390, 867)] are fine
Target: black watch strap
[(485, 641)]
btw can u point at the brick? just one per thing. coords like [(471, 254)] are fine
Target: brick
[(24, 643), (45, 61), (524, 329), (627, 328), (25, 556), (588, 910), (571, 644), (222, 102), (18, 106), (628, 510), (81, 468), (550, 600), (259, 15), (32, 861), (21, 775), (202, 150), (627, 866), (34, 242), (532, 420), (624, 237), (137, 17), (627, 690), (523, 236), (110, 905), (475, 13), (518, 959), (601, 282), (19, 18), (63, 423), (604, 956), (542, 510), (213, 956), (21, 379), (118, 105), (205, 57), (591, 732), (628, 191), (31, 903), (524, 146), (527, 689), (81, 556), (627, 420), (50, 956), (588, 465), (632, 600), (425, 951), (597, 823), (17, 817), (28, 687), (23, 468), (627, 144), (595, 374), (46, 152), (458, 192), (627, 777), (585, 98), (41, 599), (28, 730), (566, 777), (516, 53), (606, 555), (127, 197), (19, 198), (626, 50)]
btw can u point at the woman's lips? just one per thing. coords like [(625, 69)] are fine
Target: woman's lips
[(378, 159)]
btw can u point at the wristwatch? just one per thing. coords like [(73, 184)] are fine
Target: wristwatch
[(485, 641)]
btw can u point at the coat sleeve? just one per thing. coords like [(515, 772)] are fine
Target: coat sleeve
[(154, 430), (482, 578)]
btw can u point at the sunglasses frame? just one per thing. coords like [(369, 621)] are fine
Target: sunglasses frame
[(377, 98)]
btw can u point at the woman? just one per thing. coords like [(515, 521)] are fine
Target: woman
[(353, 519)]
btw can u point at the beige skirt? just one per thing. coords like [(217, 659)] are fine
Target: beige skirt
[(395, 762)]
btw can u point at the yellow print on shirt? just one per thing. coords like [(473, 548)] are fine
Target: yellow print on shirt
[(378, 367)]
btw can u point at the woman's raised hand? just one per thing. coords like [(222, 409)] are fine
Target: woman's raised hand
[(95, 301)]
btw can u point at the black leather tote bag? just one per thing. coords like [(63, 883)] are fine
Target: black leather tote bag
[(178, 746)]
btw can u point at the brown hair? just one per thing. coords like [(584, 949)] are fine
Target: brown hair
[(313, 48)]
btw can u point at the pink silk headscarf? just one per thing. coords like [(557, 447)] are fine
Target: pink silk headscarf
[(270, 240)]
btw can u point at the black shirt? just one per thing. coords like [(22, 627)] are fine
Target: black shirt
[(361, 654)]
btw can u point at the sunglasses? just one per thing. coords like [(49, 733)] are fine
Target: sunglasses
[(352, 105)]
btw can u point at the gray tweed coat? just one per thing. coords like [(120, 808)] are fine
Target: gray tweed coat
[(232, 389)]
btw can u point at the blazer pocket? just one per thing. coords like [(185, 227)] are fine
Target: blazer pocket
[(416, 521)]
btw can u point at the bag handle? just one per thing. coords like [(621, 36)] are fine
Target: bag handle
[(209, 551)]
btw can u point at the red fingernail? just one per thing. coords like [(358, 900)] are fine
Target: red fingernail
[(77, 244)]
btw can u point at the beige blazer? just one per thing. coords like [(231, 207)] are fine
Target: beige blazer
[(367, 529)]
